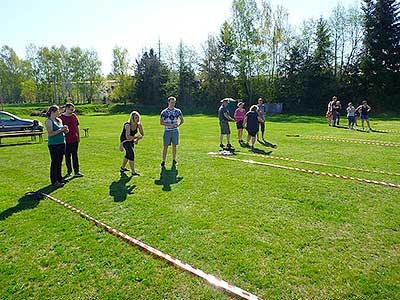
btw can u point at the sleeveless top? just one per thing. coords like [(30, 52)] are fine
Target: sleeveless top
[(364, 110), (239, 115), (58, 138), (123, 133)]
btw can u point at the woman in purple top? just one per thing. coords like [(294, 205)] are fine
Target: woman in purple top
[(239, 117)]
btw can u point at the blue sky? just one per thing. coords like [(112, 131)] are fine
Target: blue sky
[(134, 24)]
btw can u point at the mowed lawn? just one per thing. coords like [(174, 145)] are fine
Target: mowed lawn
[(279, 234)]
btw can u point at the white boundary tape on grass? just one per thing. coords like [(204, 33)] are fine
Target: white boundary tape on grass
[(312, 172), (386, 130), (321, 164), (348, 140), (211, 279)]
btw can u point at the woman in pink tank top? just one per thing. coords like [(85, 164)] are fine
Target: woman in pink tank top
[(240, 112)]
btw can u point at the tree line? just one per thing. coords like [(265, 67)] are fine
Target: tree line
[(354, 54)]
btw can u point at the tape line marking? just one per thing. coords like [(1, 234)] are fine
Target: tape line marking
[(321, 164), (312, 171), (212, 280), (349, 140)]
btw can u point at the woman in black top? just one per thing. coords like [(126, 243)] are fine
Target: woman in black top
[(250, 122), (128, 139), (336, 112), (363, 110)]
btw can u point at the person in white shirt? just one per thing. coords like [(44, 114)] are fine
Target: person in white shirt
[(169, 119)]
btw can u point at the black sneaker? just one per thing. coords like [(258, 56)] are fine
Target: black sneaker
[(162, 165), (222, 146), (174, 162), (229, 146), (135, 174), (122, 170)]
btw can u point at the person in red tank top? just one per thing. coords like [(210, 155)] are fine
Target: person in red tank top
[(70, 119)]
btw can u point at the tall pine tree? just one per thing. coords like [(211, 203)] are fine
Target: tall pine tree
[(381, 59)]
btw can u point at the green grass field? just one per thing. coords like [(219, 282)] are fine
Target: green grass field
[(276, 233)]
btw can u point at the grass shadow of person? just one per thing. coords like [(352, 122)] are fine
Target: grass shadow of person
[(27, 202), (266, 143), (168, 177), (260, 151), (120, 190)]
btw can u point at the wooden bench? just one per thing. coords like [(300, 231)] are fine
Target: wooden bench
[(86, 130), (32, 133)]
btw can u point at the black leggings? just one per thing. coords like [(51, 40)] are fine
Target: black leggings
[(262, 127), (56, 155)]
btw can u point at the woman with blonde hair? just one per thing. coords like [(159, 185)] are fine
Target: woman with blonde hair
[(128, 138)]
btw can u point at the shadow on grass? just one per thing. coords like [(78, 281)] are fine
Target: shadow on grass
[(168, 177), (26, 202), (120, 190), (256, 150), (18, 144), (266, 143)]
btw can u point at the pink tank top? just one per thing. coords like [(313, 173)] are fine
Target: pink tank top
[(239, 115)]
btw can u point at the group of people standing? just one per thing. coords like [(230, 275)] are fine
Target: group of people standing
[(252, 120), (171, 118), (333, 113), (63, 139)]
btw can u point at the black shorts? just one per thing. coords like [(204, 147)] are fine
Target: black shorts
[(129, 154), (239, 125), (252, 131)]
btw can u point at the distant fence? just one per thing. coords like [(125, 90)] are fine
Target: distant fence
[(274, 108)]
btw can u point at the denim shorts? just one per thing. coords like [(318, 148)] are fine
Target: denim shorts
[(171, 137), (364, 117), (224, 128)]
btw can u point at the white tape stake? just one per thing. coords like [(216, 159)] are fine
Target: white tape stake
[(312, 171), (211, 279), (319, 164)]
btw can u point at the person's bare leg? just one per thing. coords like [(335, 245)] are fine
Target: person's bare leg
[(253, 141), (132, 164), (124, 161), (369, 126), (164, 153), (173, 152)]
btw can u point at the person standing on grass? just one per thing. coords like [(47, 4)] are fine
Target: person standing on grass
[(224, 118), (329, 112), (239, 117), (128, 139), (336, 107), (262, 111), (72, 138), (364, 109), (169, 119), (251, 120), (56, 143), (351, 115)]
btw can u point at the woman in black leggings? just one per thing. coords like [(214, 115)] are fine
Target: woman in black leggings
[(128, 138)]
